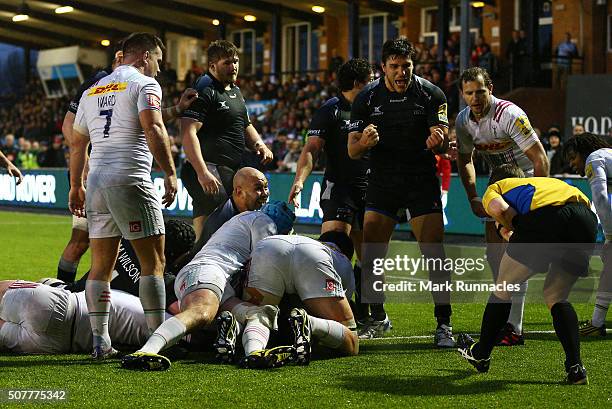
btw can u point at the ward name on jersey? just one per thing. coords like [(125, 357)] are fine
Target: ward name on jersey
[(109, 113)]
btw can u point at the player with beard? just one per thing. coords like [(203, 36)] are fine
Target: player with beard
[(500, 131), (215, 129)]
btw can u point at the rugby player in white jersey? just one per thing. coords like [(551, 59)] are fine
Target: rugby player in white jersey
[(203, 284), (121, 116), (591, 155), (500, 131), (39, 319), (320, 274)]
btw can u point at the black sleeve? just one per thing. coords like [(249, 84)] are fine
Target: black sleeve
[(73, 106), (320, 122), (200, 109), (360, 112), (247, 120), (438, 108)]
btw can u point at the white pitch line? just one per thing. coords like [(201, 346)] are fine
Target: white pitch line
[(484, 281), (409, 337)]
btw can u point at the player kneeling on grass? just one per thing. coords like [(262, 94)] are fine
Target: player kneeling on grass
[(38, 319), (320, 273), (203, 284), (553, 230)]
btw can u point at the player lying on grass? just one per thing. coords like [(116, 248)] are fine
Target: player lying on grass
[(591, 155), (180, 238), (203, 284), (553, 230), (39, 319), (319, 273)]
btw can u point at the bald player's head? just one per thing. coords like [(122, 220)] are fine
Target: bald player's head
[(250, 189)]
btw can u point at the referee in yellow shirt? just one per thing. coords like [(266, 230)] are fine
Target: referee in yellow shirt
[(550, 228)]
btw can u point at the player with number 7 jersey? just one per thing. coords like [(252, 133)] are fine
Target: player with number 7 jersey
[(122, 118)]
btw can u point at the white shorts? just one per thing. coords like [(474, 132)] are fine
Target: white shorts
[(203, 276), (79, 223), (38, 319), (115, 209), (279, 267)]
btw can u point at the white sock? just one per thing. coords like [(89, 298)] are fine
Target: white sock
[(240, 312), (98, 296), (168, 334), (602, 303), (329, 333), (266, 314), (516, 310), (255, 336), (152, 292)]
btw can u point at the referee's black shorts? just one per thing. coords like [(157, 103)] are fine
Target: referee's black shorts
[(563, 236), (203, 203), (418, 194), (343, 202)]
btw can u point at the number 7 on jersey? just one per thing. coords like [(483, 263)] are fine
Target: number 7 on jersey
[(108, 113)]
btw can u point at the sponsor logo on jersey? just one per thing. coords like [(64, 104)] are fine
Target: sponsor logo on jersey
[(522, 123), (223, 106), (497, 146), (135, 227), (588, 171), (153, 101), (442, 113), (232, 95), (377, 111), (330, 285), (105, 89), (398, 100)]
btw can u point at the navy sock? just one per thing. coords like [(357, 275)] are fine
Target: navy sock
[(565, 322)]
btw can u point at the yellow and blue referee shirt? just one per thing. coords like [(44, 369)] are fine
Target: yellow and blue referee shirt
[(527, 194)]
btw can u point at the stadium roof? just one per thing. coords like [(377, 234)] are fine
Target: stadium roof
[(92, 20)]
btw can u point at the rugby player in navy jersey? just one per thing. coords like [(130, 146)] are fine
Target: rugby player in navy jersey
[(345, 180), (401, 119)]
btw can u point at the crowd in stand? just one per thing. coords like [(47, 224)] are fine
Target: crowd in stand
[(30, 125)]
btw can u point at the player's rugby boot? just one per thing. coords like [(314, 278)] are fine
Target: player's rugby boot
[(587, 329), (577, 375), (145, 361), (465, 343), (444, 337), (376, 329), (508, 337), (300, 326), (227, 332), (270, 358)]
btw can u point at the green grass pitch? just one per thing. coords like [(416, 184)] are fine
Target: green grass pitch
[(402, 369)]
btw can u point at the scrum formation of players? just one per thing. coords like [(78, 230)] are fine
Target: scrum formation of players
[(242, 271)]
